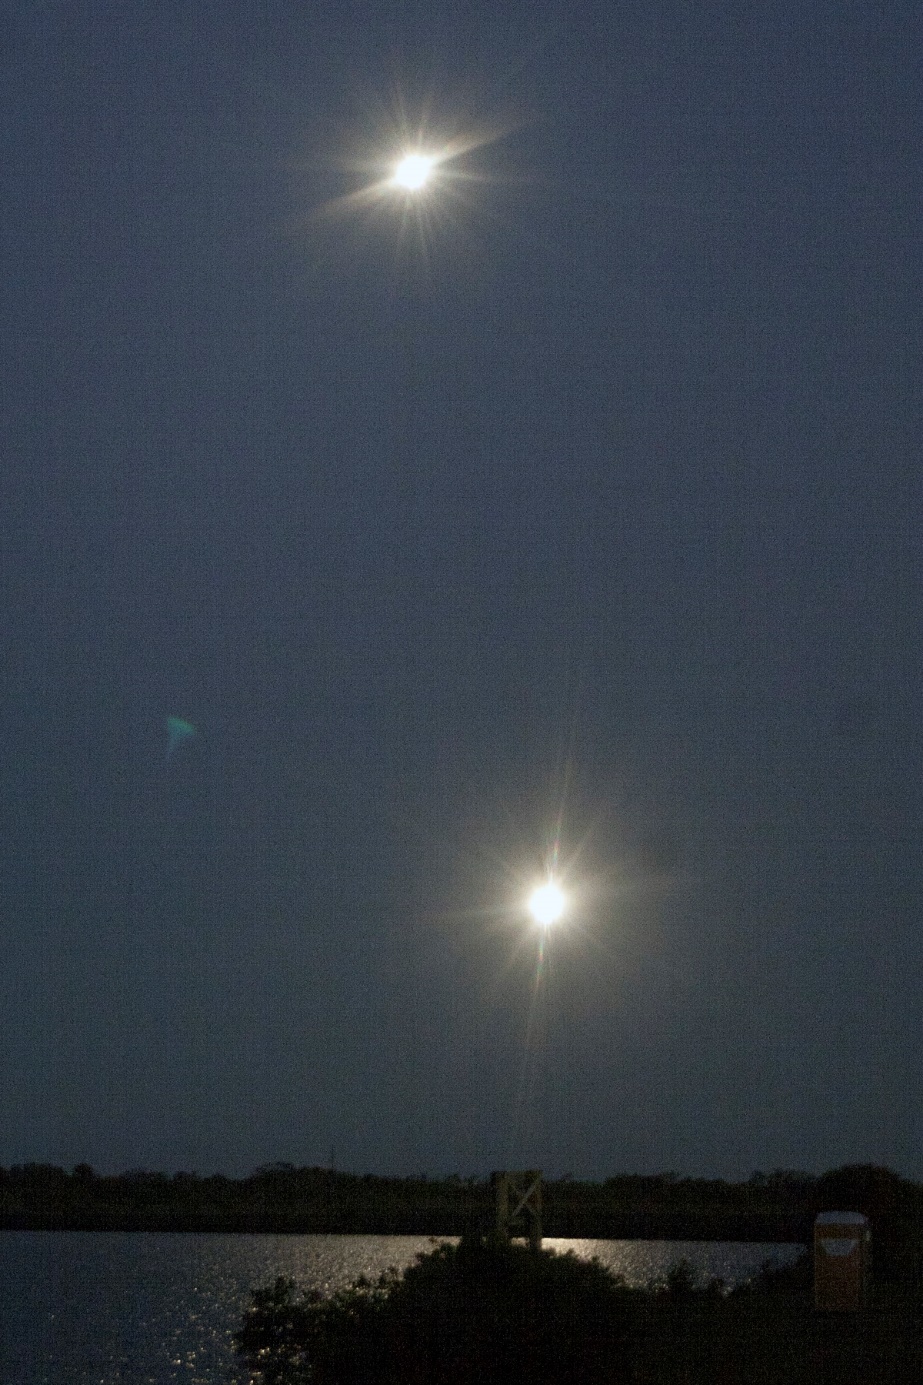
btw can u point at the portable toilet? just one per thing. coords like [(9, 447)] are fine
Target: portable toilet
[(841, 1261)]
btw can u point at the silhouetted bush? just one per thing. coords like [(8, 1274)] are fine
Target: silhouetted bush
[(681, 1284), (796, 1278), (462, 1315)]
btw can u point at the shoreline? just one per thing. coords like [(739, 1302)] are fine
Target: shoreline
[(628, 1228)]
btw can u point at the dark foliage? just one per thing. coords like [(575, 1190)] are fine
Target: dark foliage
[(281, 1197), (795, 1278), (681, 1285), (462, 1315)]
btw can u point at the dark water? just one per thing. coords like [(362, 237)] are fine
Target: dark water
[(109, 1308)]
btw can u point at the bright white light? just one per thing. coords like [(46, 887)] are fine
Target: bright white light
[(547, 904), (414, 171)]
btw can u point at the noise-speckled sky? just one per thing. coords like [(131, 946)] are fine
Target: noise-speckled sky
[(564, 519)]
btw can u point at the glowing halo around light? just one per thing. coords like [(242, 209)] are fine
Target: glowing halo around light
[(420, 168), (547, 903), (414, 171)]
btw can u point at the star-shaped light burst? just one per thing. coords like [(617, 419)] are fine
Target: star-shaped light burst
[(547, 903)]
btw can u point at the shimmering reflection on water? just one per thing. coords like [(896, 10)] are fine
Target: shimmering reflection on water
[(641, 1261), (121, 1309)]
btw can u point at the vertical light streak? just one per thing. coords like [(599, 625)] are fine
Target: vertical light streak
[(522, 1132)]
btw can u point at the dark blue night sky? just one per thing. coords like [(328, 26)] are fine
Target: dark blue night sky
[(577, 503)]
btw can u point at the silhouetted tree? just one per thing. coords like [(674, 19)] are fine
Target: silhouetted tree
[(462, 1315)]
